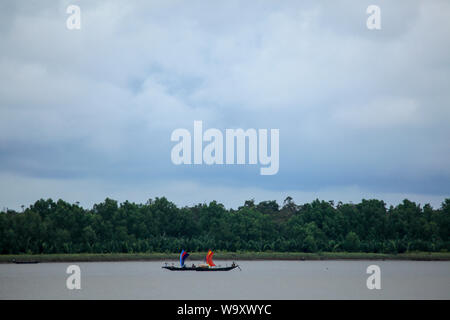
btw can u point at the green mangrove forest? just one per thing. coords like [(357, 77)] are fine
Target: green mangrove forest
[(49, 227)]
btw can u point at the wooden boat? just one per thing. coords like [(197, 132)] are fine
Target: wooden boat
[(173, 268), (210, 266), (25, 262)]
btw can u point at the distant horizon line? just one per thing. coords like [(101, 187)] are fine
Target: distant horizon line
[(149, 201)]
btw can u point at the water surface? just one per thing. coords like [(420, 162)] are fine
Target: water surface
[(257, 280)]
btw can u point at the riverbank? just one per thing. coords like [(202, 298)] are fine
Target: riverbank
[(88, 257)]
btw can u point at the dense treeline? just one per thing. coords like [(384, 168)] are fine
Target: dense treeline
[(160, 226)]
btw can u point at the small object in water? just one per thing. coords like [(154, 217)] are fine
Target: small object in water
[(25, 261), (210, 266)]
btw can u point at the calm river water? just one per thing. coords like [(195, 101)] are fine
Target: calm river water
[(257, 280)]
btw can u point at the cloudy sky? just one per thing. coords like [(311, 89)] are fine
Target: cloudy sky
[(88, 114)]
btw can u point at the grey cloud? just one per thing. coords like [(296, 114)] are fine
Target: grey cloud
[(354, 107)]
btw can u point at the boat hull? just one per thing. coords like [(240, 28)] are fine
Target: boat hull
[(216, 268), (172, 268)]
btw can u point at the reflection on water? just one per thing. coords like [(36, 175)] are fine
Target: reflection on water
[(257, 280)]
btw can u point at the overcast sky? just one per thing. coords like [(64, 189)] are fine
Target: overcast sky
[(87, 114)]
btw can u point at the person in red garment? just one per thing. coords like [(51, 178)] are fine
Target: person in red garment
[(209, 259)]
